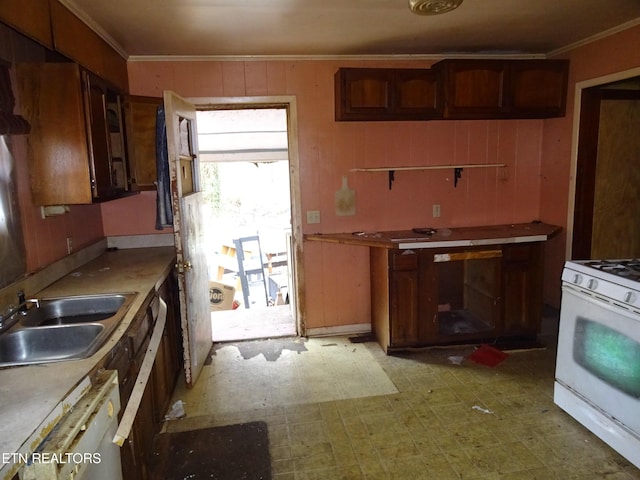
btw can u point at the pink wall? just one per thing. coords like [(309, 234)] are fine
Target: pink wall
[(135, 215), (337, 283), (45, 239), (613, 54), (538, 155)]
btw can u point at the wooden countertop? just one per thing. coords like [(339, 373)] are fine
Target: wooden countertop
[(33, 398), (443, 237)]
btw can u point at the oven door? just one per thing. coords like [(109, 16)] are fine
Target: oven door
[(599, 354)]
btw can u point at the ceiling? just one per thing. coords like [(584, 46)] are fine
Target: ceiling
[(348, 27)]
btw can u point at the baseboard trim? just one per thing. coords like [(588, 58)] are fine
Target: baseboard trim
[(339, 330)]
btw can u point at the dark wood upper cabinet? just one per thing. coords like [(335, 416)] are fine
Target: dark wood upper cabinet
[(76, 148), (487, 89), (140, 120), (386, 94), (472, 88), (30, 17), (537, 88), (78, 42)]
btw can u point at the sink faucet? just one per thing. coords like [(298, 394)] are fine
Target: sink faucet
[(12, 310)]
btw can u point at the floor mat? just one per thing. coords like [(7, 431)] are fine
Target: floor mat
[(230, 452)]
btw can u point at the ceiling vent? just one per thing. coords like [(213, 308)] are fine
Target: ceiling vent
[(433, 7)]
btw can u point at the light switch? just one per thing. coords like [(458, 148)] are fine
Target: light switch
[(313, 216), (436, 210)]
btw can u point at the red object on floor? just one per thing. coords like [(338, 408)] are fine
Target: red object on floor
[(488, 355)]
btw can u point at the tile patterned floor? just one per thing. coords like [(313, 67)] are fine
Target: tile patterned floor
[(265, 375), (247, 324), (447, 421)]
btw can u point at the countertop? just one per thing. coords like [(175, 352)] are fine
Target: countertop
[(444, 237), (33, 398)]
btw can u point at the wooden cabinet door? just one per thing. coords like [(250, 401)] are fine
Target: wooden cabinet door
[(537, 88), (96, 118), (386, 94), (486, 89), (52, 102), (76, 144), (74, 39), (415, 94), (472, 88), (522, 284), (362, 93), (427, 298), (108, 159), (140, 121), (403, 299), (30, 17)]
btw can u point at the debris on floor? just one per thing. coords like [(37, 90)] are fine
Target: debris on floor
[(456, 359), (363, 338), (488, 355), (483, 410), (177, 411)]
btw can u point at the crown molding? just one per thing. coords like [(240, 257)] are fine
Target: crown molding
[(93, 25), (291, 58), (594, 38), (82, 15)]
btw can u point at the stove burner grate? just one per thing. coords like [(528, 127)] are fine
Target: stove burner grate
[(622, 268)]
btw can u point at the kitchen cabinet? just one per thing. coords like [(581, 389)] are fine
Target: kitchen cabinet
[(54, 26), (140, 121), (386, 94), (456, 295), (522, 273), (30, 17), (127, 358), (465, 285), (78, 42), (76, 148), (394, 279), (487, 89), (438, 296)]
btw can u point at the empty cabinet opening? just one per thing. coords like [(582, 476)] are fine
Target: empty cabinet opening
[(468, 291)]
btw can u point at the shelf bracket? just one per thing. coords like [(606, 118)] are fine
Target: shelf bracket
[(392, 177), (457, 175)]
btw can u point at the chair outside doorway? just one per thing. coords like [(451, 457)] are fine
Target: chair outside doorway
[(251, 263)]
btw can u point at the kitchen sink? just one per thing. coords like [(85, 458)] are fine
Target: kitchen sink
[(72, 310), (48, 344), (64, 328)]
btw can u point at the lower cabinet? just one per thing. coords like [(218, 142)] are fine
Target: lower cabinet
[(457, 295), (127, 358)]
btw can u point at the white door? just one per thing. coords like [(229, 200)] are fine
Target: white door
[(186, 196)]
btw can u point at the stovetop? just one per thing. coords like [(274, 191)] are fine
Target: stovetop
[(629, 269)]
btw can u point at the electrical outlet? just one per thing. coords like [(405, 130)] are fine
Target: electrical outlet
[(69, 245), (313, 216), (435, 210)]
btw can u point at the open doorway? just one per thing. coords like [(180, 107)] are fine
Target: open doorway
[(245, 175), (606, 174)]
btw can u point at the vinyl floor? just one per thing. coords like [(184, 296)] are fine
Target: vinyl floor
[(432, 414)]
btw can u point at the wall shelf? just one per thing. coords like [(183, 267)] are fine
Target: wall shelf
[(457, 170)]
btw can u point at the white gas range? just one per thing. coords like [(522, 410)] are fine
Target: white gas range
[(598, 359)]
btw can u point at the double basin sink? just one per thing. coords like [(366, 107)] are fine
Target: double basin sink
[(61, 329)]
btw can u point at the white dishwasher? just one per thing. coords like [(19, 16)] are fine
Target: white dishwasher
[(80, 445)]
